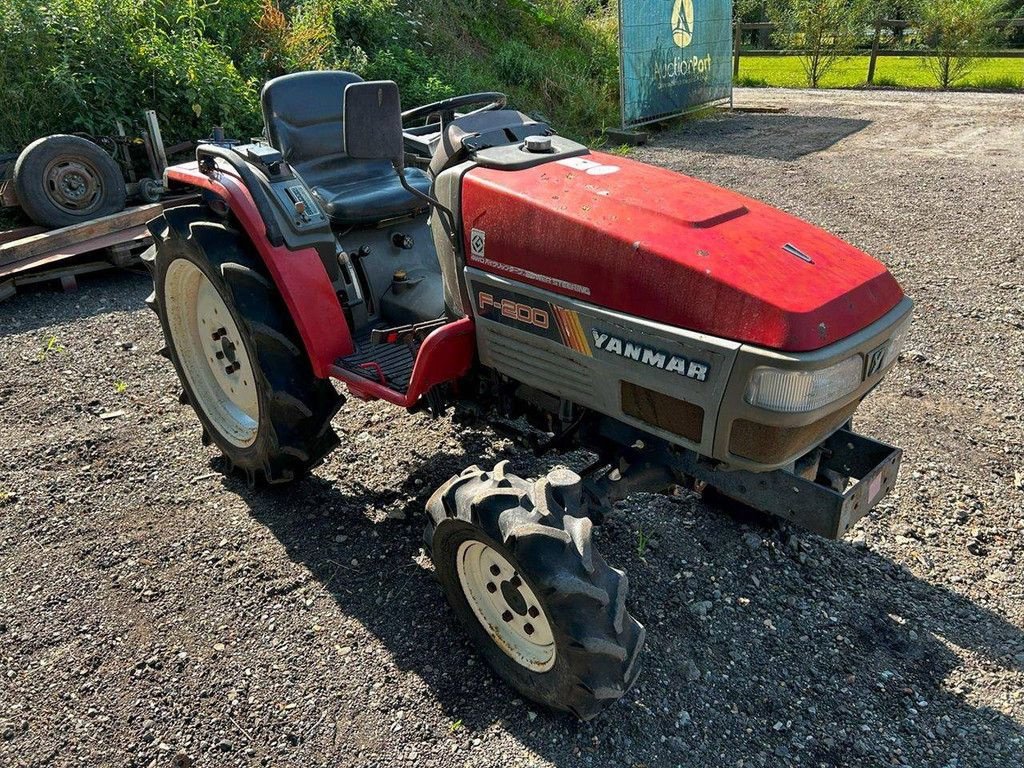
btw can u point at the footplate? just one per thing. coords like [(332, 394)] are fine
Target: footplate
[(871, 465)]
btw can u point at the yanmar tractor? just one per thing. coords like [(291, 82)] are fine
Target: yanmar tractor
[(683, 334)]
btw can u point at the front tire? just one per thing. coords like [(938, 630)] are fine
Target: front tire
[(235, 349), (517, 563)]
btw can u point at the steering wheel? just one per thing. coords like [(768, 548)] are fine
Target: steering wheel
[(446, 107), (421, 139)]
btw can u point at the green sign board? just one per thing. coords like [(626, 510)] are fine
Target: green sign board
[(676, 55)]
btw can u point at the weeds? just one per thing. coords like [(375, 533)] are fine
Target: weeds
[(746, 81), (641, 542), (121, 387), (52, 346), (455, 726)]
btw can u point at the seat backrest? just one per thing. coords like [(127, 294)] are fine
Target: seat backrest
[(304, 115)]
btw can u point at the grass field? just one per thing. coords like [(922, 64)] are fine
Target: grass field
[(898, 71)]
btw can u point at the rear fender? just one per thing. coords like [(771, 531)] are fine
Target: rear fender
[(299, 275)]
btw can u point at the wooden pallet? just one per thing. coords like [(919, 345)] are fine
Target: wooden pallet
[(32, 254)]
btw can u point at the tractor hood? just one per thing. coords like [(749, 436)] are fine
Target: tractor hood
[(655, 244)]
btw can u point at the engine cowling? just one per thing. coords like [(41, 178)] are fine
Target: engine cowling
[(658, 245)]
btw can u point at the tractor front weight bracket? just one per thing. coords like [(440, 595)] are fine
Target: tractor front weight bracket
[(653, 466)]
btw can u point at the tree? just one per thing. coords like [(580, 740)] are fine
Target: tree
[(822, 30), (955, 31)]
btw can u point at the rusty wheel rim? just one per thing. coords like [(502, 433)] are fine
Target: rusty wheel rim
[(73, 184)]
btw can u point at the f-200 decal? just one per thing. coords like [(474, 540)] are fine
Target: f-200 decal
[(692, 369), (562, 325), (540, 318)]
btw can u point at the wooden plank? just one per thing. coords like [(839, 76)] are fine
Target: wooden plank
[(7, 289), (17, 234), (63, 272), (138, 234), (127, 254), (48, 242)]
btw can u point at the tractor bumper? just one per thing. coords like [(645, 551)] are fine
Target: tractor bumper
[(871, 466)]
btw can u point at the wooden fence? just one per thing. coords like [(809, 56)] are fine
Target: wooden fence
[(875, 51)]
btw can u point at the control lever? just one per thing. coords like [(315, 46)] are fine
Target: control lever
[(406, 334)]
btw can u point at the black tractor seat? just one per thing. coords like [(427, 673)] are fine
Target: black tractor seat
[(363, 191), (304, 118)]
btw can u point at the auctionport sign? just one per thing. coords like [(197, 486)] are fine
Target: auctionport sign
[(675, 56)]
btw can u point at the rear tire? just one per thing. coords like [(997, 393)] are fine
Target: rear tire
[(516, 561), (277, 426)]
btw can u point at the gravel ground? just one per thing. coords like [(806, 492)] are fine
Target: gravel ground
[(156, 613)]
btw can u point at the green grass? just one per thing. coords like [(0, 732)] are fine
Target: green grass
[(893, 71)]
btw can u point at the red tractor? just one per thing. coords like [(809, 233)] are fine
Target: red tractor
[(681, 333)]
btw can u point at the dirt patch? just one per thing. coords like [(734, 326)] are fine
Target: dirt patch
[(153, 611)]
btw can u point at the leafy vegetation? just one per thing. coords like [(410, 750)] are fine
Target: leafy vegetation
[(823, 30), (87, 65), (950, 36), (52, 346), (956, 30)]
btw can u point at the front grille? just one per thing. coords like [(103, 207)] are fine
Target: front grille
[(515, 356), (663, 411)]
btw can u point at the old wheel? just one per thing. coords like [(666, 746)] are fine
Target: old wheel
[(212, 353), (63, 180), (518, 566), (236, 350), (505, 605)]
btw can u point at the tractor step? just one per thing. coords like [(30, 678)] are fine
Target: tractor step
[(387, 364)]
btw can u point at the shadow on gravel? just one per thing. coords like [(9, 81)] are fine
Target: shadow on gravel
[(44, 306), (765, 135), (764, 648)]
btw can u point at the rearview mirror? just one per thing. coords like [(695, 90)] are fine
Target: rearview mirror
[(373, 122)]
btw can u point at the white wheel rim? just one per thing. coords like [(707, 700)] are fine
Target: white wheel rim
[(211, 352), (505, 606)]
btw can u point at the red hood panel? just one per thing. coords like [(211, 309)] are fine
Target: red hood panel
[(656, 244)]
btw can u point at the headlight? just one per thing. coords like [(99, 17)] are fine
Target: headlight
[(800, 391), (896, 343)]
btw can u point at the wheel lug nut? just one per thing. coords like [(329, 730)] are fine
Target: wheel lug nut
[(233, 367), (491, 588), (495, 570), (506, 616), (515, 582), (219, 333), (534, 613), (528, 629), (220, 355)]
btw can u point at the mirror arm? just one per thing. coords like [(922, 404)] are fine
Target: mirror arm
[(448, 218)]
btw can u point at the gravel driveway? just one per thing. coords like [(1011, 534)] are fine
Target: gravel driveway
[(156, 613)]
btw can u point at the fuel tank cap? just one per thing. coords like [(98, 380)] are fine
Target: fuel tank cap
[(537, 144)]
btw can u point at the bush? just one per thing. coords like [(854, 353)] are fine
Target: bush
[(823, 30), (957, 30), (87, 65)]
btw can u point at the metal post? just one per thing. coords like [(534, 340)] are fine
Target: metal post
[(157, 140), (874, 51)]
